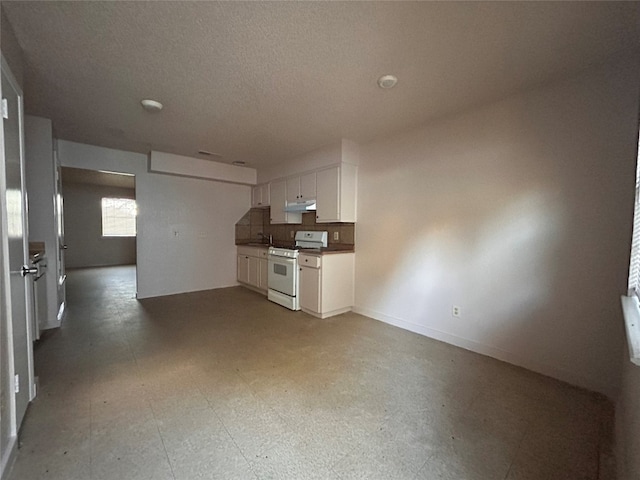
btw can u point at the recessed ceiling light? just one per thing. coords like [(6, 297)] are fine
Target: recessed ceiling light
[(387, 81), (151, 105), (238, 163)]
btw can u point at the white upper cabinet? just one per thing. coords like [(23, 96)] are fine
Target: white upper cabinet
[(301, 188), (279, 201), (260, 195), (336, 194), (308, 186), (293, 189)]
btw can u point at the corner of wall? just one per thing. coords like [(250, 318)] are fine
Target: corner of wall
[(11, 50)]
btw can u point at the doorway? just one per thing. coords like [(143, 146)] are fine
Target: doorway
[(99, 219)]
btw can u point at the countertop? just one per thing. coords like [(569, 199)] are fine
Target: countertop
[(331, 249)]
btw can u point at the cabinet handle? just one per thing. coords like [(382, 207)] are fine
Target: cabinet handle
[(305, 260), (301, 269)]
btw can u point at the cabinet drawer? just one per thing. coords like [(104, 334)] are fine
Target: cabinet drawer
[(252, 251), (305, 260)]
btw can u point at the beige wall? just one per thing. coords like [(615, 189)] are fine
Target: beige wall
[(83, 228), (11, 50), (628, 422), (519, 213)]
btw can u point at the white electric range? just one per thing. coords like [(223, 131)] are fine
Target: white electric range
[(283, 276)]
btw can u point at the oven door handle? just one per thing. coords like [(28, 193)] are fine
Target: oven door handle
[(285, 260)]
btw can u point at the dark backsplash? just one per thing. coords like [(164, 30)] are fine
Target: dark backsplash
[(256, 221)]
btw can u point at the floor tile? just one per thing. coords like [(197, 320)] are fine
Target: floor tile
[(223, 384)]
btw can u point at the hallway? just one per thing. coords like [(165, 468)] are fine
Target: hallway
[(224, 384)]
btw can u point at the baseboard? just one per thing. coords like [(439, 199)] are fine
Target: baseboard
[(510, 357), (8, 457)]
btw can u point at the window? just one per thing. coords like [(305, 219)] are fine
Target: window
[(634, 267), (630, 306), (119, 217)]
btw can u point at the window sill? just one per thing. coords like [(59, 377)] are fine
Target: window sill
[(631, 312)]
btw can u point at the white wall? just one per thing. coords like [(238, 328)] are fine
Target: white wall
[(83, 227), (40, 171), (161, 162), (185, 226), (518, 212)]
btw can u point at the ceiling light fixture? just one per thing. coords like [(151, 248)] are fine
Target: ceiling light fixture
[(151, 105), (238, 163), (387, 81)]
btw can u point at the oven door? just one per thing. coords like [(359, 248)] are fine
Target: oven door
[(282, 275)]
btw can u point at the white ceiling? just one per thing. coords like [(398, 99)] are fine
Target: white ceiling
[(263, 82)]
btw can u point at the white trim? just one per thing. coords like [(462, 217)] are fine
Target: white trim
[(8, 457), (6, 282), (631, 313), (28, 287), (483, 349)]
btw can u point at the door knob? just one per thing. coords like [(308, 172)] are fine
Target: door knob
[(63, 247), (27, 270)]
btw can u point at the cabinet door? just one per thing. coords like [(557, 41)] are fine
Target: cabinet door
[(243, 268), (278, 201), (308, 186), (265, 195), (260, 195), (310, 289), (328, 195), (293, 189), (254, 271), (256, 196), (264, 273)]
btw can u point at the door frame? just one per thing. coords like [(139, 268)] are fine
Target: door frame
[(5, 284)]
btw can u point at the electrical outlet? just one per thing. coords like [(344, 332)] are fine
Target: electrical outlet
[(336, 235), (292, 234), (455, 311)]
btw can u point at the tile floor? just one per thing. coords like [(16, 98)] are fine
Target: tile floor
[(223, 384)]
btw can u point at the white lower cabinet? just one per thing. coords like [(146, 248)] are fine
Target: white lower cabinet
[(252, 267), (326, 283)]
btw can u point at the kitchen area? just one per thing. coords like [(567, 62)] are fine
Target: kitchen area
[(296, 245)]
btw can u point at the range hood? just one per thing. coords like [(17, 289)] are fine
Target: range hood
[(304, 206)]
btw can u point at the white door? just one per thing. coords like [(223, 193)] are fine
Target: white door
[(14, 206), (278, 201), (328, 195), (310, 289)]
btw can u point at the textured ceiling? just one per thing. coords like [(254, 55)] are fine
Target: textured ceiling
[(263, 82)]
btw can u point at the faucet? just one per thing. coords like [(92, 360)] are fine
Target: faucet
[(268, 238)]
